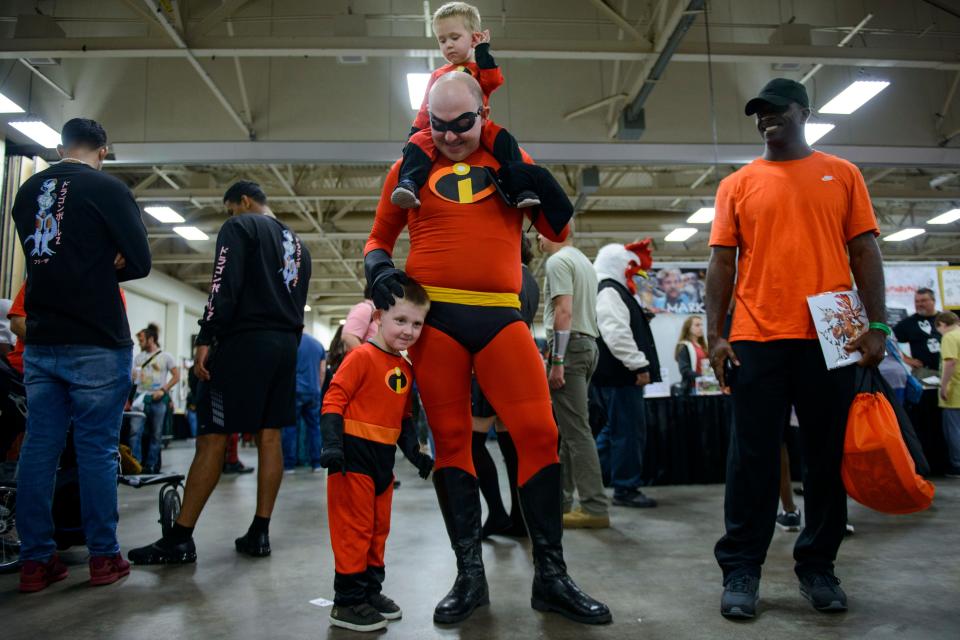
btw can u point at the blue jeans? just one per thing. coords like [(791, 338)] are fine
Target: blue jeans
[(308, 415), (951, 433), (156, 414), (623, 439), (85, 386)]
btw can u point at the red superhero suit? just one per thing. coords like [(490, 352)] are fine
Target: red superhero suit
[(420, 151), (365, 415), (464, 250)]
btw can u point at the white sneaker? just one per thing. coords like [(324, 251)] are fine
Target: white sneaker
[(289, 472)]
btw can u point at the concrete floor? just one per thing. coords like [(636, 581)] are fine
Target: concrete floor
[(654, 568)]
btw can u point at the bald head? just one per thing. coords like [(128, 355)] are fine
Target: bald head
[(455, 88), (456, 115)]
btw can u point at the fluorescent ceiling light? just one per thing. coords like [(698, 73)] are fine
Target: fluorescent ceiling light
[(945, 218), (903, 234), (39, 132), (191, 233), (854, 96), (680, 234), (703, 215), (306, 308), (813, 131), (9, 106), (417, 88), (164, 214)]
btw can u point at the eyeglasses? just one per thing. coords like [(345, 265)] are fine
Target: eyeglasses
[(461, 124)]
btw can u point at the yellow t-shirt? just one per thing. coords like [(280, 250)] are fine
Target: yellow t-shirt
[(950, 349)]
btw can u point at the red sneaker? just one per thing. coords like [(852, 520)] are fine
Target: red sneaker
[(107, 569), (37, 576)]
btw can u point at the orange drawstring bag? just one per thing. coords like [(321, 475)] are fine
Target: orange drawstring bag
[(877, 469)]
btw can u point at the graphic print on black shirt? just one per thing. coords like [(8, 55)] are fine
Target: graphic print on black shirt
[(922, 336), (260, 279), (73, 220)]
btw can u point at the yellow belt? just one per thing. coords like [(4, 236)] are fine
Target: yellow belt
[(472, 298)]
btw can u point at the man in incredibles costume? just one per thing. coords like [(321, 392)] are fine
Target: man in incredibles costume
[(464, 242)]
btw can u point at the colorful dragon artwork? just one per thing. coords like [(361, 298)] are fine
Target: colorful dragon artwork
[(843, 324), (45, 227)]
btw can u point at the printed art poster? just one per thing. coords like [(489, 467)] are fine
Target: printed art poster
[(839, 318), (673, 290), (902, 281)]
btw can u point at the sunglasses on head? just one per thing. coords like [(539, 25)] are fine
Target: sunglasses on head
[(461, 124)]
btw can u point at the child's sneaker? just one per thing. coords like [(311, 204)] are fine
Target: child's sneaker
[(385, 606), (406, 195), (107, 569), (357, 617), (36, 575), (527, 199)]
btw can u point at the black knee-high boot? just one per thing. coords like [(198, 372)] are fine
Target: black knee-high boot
[(497, 518), (517, 528), (459, 499), (553, 590)]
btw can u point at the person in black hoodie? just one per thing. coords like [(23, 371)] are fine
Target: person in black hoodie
[(247, 364), (81, 234)]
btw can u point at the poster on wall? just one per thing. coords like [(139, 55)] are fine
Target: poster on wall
[(949, 287), (673, 290), (904, 278)]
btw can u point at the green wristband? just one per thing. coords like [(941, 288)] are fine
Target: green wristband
[(880, 326)]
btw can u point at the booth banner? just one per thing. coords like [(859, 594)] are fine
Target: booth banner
[(673, 290), (904, 278)]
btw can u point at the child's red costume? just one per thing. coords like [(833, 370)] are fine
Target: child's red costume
[(465, 251), (493, 137), (366, 411)]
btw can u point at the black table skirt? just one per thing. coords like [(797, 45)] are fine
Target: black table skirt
[(927, 422), (687, 439)]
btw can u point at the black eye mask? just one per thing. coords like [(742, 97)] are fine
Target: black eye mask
[(461, 124)]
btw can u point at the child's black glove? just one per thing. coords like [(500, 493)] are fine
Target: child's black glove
[(424, 465), (331, 434)]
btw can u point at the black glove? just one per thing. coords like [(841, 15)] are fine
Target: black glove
[(331, 457), (384, 279), (410, 447), (424, 465), (331, 433), (482, 56), (519, 176)]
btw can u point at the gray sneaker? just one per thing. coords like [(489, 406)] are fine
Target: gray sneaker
[(740, 596), (385, 606), (789, 520), (823, 591), (357, 617)]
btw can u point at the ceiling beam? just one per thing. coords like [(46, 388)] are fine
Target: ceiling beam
[(216, 16), (591, 153), (416, 47), (204, 76), (614, 16)]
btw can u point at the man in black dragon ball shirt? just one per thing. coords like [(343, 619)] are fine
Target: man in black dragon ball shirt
[(81, 234), (247, 362), (920, 332)]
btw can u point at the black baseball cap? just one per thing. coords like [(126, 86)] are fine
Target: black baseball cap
[(781, 92)]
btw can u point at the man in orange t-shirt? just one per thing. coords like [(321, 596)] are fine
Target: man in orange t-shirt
[(790, 224)]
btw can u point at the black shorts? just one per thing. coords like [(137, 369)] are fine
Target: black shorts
[(253, 383), (480, 407)]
